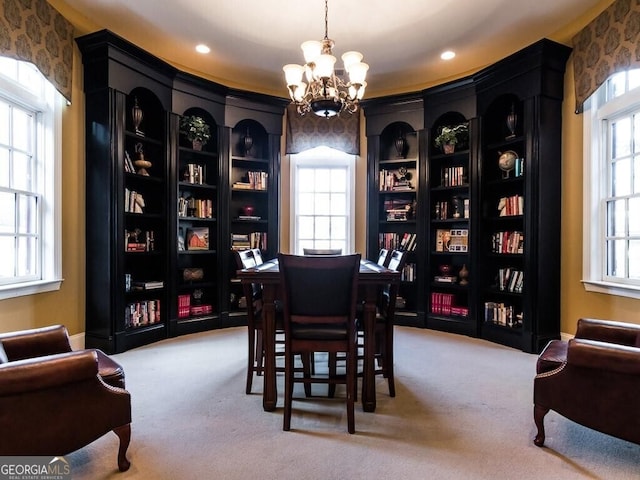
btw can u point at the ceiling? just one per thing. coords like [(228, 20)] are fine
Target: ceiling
[(401, 40)]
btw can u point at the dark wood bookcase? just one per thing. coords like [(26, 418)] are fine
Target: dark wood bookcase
[(520, 107), (508, 218), (396, 179), (253, 133), (158, 240)]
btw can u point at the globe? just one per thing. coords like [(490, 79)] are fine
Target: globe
[(507, 161)]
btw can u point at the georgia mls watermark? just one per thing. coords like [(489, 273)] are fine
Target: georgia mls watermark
[(34, 468)]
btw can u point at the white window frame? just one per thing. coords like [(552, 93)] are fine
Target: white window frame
[(48, 104), (597, 113), (323, 157)]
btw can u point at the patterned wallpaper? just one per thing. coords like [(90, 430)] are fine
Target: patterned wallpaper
[(609, 44), (309, 131), (32, 30)]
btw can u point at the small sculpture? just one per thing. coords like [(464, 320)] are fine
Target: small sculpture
[(140, 162)]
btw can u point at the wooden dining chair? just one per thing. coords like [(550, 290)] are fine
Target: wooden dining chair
[(385, 318), (319, 306), (253, 296)]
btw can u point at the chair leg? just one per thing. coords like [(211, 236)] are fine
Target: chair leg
[(307, 368), (124, 434), (387, 360), (333, 371), (251, 363), (288, 390), (259, 353), (352, 358), (538, 417)]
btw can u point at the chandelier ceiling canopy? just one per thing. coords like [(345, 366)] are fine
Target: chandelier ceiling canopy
[(325, 93)]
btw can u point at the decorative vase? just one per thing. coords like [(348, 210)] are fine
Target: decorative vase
[(445, 269), (463, 274), (137, 116), (196, 144), (248, 143), (448, 147), (400, 143), (512, 121)]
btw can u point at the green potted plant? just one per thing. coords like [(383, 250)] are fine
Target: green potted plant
[(448, 136), (196, 130)]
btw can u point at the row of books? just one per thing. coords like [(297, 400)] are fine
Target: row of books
[(134, 285), (140, 314), (398, 241), (512, 205), (138, 241), (444, 304), (128, 163), (457, 208), (254, 181), (133, 201), (510, 280), (507, 242), (399, 210), (453, 176), (194, 173), (408, 273), (391, 181), (454, 240), (195, 207), (185, 309), (245, 241), (502, 314)]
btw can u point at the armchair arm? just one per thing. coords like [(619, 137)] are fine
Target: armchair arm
[(41, 373), (604, 356), (36, 342), (609, 331)]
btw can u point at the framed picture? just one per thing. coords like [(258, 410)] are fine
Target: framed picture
[(198, 238)]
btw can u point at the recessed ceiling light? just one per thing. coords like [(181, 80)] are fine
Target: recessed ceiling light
[(447, 55), (202, 48)]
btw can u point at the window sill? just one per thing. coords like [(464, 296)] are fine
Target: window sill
[(609, 288), (29, 288)]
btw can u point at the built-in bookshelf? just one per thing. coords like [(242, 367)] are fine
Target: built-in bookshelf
[(196, 300), (158, 222), (394, 140), (449, 288)]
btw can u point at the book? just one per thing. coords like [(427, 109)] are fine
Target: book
[(197, 238), (149, 285)]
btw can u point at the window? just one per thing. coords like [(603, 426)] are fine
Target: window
[(29, 180), (611, 261), (322, 200)]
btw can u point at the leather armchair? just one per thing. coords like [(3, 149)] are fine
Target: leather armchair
[(593, 379), (54, 401)]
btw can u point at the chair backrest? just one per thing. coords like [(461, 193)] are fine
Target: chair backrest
[(246, 259), (397, 260), (383, 257), (319, 289), (257, 256), (322, 251)]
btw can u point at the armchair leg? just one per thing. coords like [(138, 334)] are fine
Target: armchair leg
[(124, 434), (538, 416)]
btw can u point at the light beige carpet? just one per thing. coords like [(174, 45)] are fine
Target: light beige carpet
[(463, 410)]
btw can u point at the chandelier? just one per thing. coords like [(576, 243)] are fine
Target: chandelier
[(325, 93)]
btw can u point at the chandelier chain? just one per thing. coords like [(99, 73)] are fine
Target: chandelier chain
[(326, 19)]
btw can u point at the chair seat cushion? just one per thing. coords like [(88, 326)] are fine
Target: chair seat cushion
[(553, 355), (313, 331), (111, 371)]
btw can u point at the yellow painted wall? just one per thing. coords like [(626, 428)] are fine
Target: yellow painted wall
[(66, 306)]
